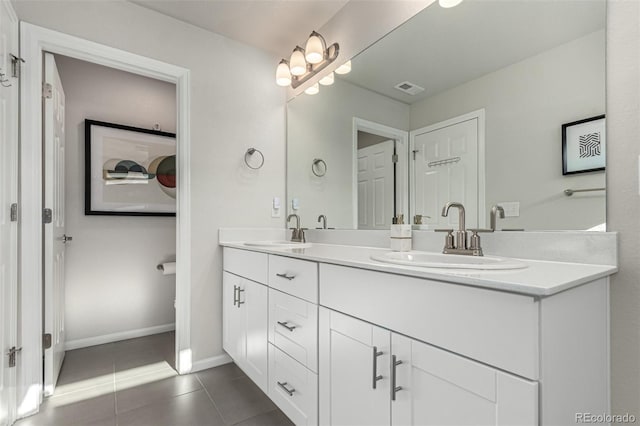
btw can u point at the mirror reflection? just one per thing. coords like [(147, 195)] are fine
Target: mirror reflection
[(465, 104)]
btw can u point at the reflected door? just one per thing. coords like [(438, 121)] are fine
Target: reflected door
[(446, 169), (376, 187)]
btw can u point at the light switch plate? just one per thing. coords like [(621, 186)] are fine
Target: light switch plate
[(511, 208), (295, 204), (275, 207)]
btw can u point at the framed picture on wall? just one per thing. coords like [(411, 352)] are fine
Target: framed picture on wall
[(129, 171), (584, 146)]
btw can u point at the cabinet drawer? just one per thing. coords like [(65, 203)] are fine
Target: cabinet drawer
[(293, 388), (293, 327), (497, 328), (296, 277), (248, 264)]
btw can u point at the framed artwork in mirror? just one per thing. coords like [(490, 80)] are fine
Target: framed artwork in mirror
[(129, 171), (584, 146)]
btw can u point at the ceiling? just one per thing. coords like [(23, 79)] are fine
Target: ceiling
[(272, 25), (442, 48)]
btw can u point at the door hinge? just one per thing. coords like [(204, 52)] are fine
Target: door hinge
[(16, 63), (46, 341), (11, 353), (47, 216), (47, 90), (14, 212), (394, 158)]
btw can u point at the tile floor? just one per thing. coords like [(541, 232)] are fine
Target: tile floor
[(132, 383)]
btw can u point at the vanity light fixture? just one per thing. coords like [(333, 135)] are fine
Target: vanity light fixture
[(327, 80), (449, 3), (344, 68), (312, 90), (306, 63)]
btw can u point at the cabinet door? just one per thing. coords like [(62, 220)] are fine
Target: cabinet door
[(354, 365), (254, 305), (233, 318), (436, 387)]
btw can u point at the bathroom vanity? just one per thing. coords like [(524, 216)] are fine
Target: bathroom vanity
[(334, 337)]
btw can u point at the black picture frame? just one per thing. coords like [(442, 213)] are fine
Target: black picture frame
[(90, 197), (570, 163)]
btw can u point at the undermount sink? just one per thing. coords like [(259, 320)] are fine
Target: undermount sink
[(277, 244), (451, 261)]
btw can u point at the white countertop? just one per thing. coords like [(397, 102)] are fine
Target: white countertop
[(540, 278)]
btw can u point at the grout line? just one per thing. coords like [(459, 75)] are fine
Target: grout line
[(210, 398)]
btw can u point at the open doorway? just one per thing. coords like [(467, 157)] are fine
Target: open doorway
[(105, 130)]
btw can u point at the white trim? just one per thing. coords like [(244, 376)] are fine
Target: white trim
[(402, 176), (116, 337), (480, 116), (34, 41), (214, 361)]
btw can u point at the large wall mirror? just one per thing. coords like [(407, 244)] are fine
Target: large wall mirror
[(488, 103)]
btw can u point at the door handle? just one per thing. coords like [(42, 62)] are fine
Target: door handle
[(240, 290), (286, 325), (376, 376), (66, 238), (235, 295), (286, 277), (394, 388), (284, 387)]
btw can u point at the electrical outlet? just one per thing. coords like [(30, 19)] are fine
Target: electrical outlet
[(275, 207), (511, 208)]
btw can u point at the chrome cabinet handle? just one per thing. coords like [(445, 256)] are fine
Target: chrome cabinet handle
[(235, 294), (286, 325), (376, 376), (240, 290), (394, 388), (286, 277), (285, 388)]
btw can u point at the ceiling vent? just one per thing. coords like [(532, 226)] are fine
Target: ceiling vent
[(409, 88)]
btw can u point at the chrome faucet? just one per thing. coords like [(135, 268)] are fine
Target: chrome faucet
[(461, 235), (322, 218), (494, 212), (297, 233), (458, 244)]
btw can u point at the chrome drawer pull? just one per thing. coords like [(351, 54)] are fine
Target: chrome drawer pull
[(376, 376), (394, 388), (284, 388), (286, 277), (286, 325)]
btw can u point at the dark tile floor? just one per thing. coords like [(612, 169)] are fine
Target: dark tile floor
[(133, 383)]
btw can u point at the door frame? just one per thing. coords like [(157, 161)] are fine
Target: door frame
[(34, 41), (480, 116), (402, 171)]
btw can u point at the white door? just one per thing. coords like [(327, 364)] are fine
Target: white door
[(376, 187), (446, 169), (254, 303), (234, 327), (54, 232), (439, 388), (8, 224), (354, 371)]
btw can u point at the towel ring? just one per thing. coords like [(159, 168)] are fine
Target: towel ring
[(249, 153), (315, 166)]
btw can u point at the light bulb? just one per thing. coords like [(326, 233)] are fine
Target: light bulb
[(314, 50), (327, 80), (344, 68), (449, 3), (297, 64), (283, 76), (312, 90)]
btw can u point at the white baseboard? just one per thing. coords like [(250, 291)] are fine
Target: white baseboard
[(214, 361), (115, 337)]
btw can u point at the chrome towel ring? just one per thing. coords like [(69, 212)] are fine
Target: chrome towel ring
[(249, 154), (319, 167)]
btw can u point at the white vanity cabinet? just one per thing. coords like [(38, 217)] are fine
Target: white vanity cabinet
[(372, 376), (245, 314)]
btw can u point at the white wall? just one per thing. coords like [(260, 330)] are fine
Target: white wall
[(112, 284), (321, 126), (234, 105), (623, 202), (526, 104)]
